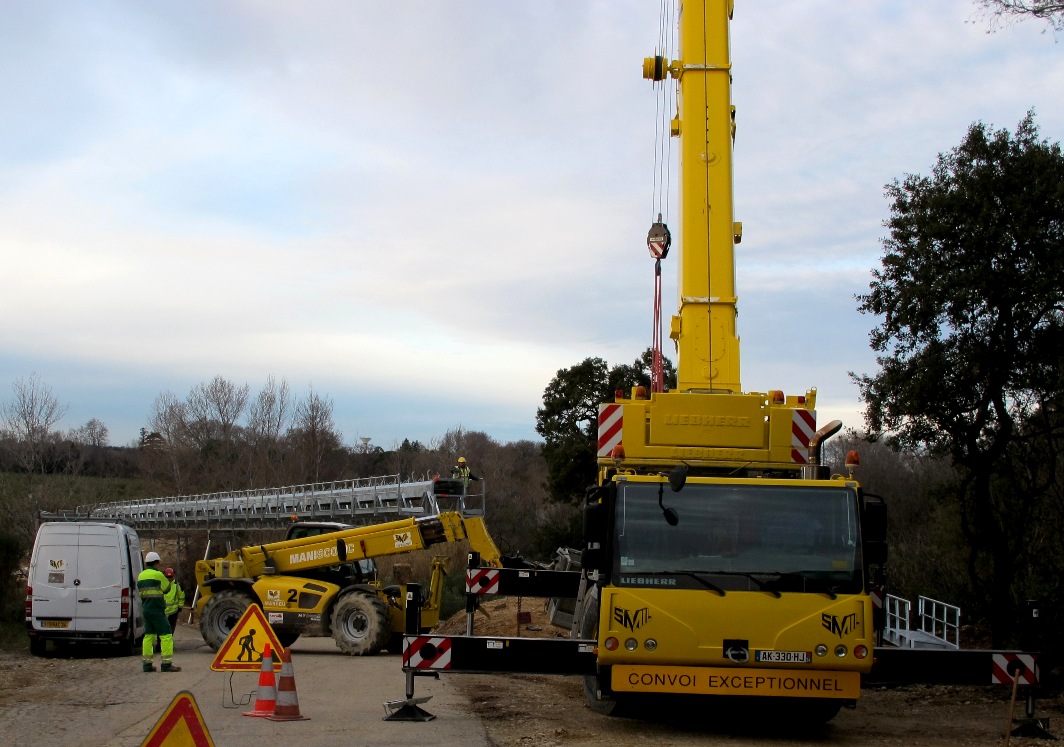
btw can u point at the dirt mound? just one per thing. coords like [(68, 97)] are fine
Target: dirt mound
[(506, 616)]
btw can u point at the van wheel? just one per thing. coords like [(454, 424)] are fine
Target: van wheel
[(589, 631), (126, 645), (38, 646), (221, 614), (360, 624)]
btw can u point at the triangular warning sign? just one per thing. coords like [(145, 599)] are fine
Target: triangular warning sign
[(181, 725), (242, 650)]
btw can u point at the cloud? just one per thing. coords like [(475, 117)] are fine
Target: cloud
[(426, 210)]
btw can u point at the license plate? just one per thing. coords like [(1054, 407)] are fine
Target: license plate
[(784, 657), (55, 623)]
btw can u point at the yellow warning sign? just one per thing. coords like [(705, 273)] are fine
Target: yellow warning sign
[(181, 725), (243, 649)]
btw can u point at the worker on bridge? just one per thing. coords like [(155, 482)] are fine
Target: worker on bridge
[(462, 472)]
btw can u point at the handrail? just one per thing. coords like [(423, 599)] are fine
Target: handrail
[(355, 501)]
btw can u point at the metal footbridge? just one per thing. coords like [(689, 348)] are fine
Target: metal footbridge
[(360, 501)]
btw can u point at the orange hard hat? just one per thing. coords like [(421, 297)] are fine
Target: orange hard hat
[(169, 573)]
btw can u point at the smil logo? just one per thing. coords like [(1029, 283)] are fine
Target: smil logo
[(631, 620), (839, 626)]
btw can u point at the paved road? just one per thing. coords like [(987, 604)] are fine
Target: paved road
[(109, 701)]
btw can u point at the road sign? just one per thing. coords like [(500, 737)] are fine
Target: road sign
[(181, 725), (242, 650)]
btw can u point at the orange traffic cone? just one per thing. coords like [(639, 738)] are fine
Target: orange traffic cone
[(287, 703), (266, 695)]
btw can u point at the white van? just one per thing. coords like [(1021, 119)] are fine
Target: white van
[(82, 585)]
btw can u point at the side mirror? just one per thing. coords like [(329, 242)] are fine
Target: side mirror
[(874, 519), (341, 550), (678, 478), (875, 553), (596, 530), (596, 514), (591, 559)]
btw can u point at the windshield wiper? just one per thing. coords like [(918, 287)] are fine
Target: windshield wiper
[(697, 576), (761, 585), (804, 578)]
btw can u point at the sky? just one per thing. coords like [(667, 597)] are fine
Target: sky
[(423, 210)]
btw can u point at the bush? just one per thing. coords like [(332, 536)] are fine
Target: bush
[(13, 549)]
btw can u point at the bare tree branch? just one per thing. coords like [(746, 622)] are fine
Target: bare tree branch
[(30, 418), (1000, 13)]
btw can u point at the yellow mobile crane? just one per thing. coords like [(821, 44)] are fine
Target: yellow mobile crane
[(753, 574), (315, 584)]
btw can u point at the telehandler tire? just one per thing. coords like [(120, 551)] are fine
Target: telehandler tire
[(221, 614), (286, 638), (360, 624)]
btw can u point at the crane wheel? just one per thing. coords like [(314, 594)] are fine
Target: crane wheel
[(221, 614), (360, 624), (589, 630)]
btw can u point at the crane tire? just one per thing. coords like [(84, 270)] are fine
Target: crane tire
[(360, 624), (221, 614), (589, 631)]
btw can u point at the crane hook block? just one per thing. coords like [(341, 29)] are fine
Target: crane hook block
[(659, 240)]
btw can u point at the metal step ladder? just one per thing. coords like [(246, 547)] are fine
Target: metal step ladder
[(939, 624)]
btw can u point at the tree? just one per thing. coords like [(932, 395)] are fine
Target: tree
[(169, 440), (93, 433), (30, 417), (314, 436), (568, 420), (1001, 12), (268, 417), (971, 346), (212, 411)]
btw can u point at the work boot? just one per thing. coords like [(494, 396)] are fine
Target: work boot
[(171, 668), (149, 667)]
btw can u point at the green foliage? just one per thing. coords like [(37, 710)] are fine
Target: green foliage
[(13, 549), (970, 294), (563, 527), (453, 598), (971, 344), (568, 419)]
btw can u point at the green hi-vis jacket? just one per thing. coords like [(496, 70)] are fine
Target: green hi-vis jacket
[(152, 586), (175, 598)]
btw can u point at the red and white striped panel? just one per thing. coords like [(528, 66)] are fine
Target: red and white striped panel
[(803, 426), (427, 652), (1004, 664), (877, 596), (609, 428), (482, 581)]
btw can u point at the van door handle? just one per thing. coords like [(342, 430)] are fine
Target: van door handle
[(83, 601)]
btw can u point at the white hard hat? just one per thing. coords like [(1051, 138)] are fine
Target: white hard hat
[(152, 557)]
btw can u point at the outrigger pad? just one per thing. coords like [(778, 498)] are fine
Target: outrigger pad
[(407, 710), (1036, 728)]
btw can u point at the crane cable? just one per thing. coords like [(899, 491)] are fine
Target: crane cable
[(665, 101), (659, 239)]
